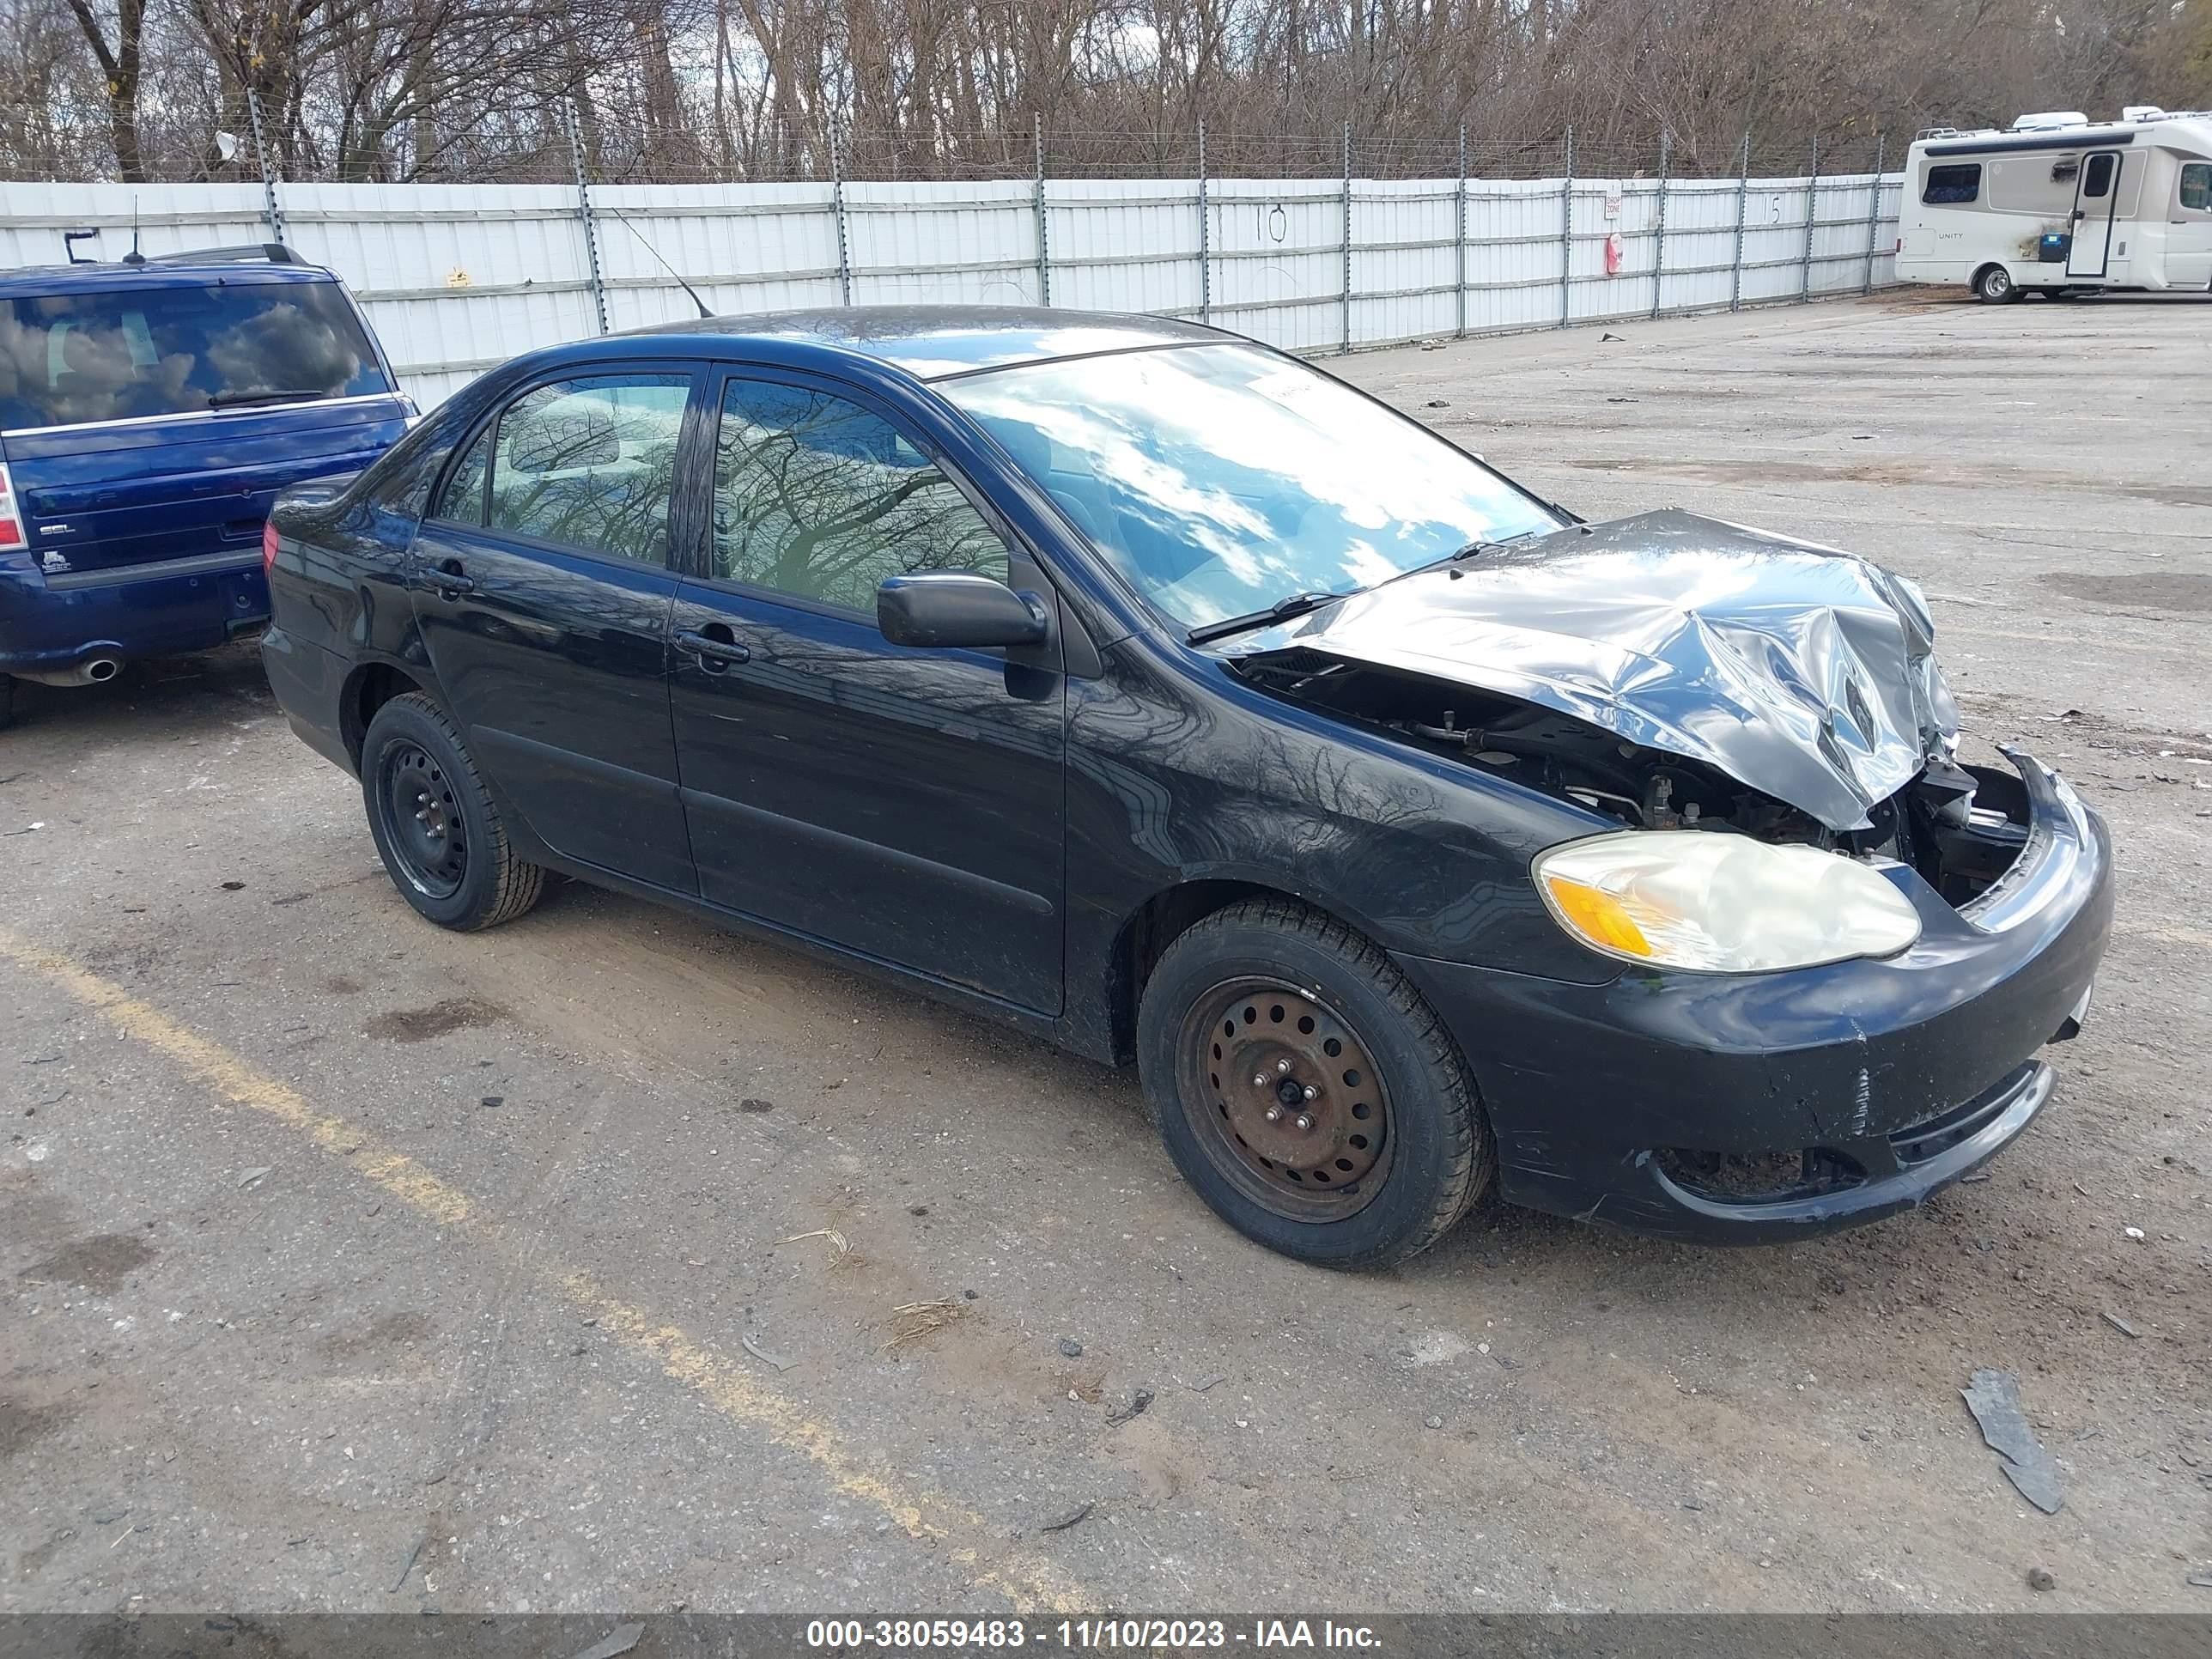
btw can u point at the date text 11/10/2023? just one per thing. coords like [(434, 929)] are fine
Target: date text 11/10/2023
[(1088, 1635)]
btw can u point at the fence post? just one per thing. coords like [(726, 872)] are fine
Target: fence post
[(1459, 237), (1742, 200), (1873, 211), (1659, 250), (1044, 245), (1567, 233), (1205, 234), (1346, 343), (584, 212), (1812, 215), (269, 208), (837, 208)]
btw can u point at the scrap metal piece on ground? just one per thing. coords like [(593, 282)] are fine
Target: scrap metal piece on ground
[(1993, 1398), (764, 1355), (1137, 1401), (619, 1640)]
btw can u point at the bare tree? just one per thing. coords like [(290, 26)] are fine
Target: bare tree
[(396, 89), (121, 62)]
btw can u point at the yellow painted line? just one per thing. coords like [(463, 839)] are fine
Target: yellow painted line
[(1029, 1582)]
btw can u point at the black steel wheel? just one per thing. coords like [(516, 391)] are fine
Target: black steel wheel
[(1299, 1119), (422, 820), (1306, 1090), (435, 824)]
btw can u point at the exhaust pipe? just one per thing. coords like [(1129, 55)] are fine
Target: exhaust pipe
[(90, 671)]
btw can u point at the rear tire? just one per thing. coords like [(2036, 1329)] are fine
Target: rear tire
[(1378, 1146), (7, 700), (435, 824), (1994, 286)]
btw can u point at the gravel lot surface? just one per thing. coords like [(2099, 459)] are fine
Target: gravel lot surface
[(348, 1264)]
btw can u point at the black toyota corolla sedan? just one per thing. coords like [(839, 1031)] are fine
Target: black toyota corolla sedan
[(1161, 695)]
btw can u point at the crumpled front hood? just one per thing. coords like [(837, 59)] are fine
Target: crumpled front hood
[(1805, 673)]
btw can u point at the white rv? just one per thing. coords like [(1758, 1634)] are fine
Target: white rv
[(2061, 205)]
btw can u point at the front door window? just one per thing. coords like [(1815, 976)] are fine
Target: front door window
[(818, 499)]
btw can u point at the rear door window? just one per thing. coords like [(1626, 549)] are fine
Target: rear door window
[(589, 463), (462, 500), (66, 359)]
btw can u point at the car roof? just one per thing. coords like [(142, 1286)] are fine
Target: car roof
[(932, 343), (113, 276)]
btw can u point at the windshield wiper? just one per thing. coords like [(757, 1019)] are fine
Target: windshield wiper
[(1290, 606), (1473, 550), (233, 400), (1482, 544)]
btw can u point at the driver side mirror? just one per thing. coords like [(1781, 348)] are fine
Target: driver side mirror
[(958, 608)]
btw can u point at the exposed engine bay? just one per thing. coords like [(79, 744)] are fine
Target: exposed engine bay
[(1960, 829), (1807, 674)]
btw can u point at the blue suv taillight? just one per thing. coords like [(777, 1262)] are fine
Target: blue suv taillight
[(11, 517)]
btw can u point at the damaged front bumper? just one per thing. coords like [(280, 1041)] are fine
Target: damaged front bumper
[(1751, 1107)]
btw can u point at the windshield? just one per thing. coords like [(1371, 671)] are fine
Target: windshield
[(1221, 479), (67, 358)]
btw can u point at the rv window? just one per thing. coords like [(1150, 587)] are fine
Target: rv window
[(2097, 179), (2197, 185), (1959, 183)]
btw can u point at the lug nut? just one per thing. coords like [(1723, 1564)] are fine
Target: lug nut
[(1304, 1121), (1282, 1064), (1312, 1093), (1274, 1113), (1259, 1080)]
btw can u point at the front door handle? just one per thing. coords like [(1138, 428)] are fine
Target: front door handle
[(715, 647), (450, 581)]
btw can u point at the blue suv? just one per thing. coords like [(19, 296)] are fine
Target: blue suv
[(150, 409)]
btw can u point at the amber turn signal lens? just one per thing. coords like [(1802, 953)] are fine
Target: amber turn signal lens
[(1598, 917)]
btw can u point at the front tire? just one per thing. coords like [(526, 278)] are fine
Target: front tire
[(7, 700), (1306, 1090), (1994, 286), (435, 824)]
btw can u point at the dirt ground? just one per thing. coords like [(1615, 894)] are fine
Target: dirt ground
[(348, 1264)]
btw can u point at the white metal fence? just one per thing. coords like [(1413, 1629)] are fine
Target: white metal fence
[(458, 277)]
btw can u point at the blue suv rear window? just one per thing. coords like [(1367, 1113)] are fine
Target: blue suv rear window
[(69, 358)]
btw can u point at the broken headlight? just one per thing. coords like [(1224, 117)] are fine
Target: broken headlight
[(1721, 903)]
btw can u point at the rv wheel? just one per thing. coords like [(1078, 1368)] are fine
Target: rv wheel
[(1993, 285)]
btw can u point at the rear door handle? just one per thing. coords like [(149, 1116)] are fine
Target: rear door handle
[(450, 581), (715, 647)]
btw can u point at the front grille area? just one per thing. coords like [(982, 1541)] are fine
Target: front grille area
[(1932, 1137), (1763, 1178)]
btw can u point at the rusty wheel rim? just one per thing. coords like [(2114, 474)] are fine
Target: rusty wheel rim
[(1285, 1099)]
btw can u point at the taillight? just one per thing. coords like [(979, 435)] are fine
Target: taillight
[(11, 520), (268, 545)]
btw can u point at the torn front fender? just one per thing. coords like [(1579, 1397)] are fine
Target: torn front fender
[(1802, 673)]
